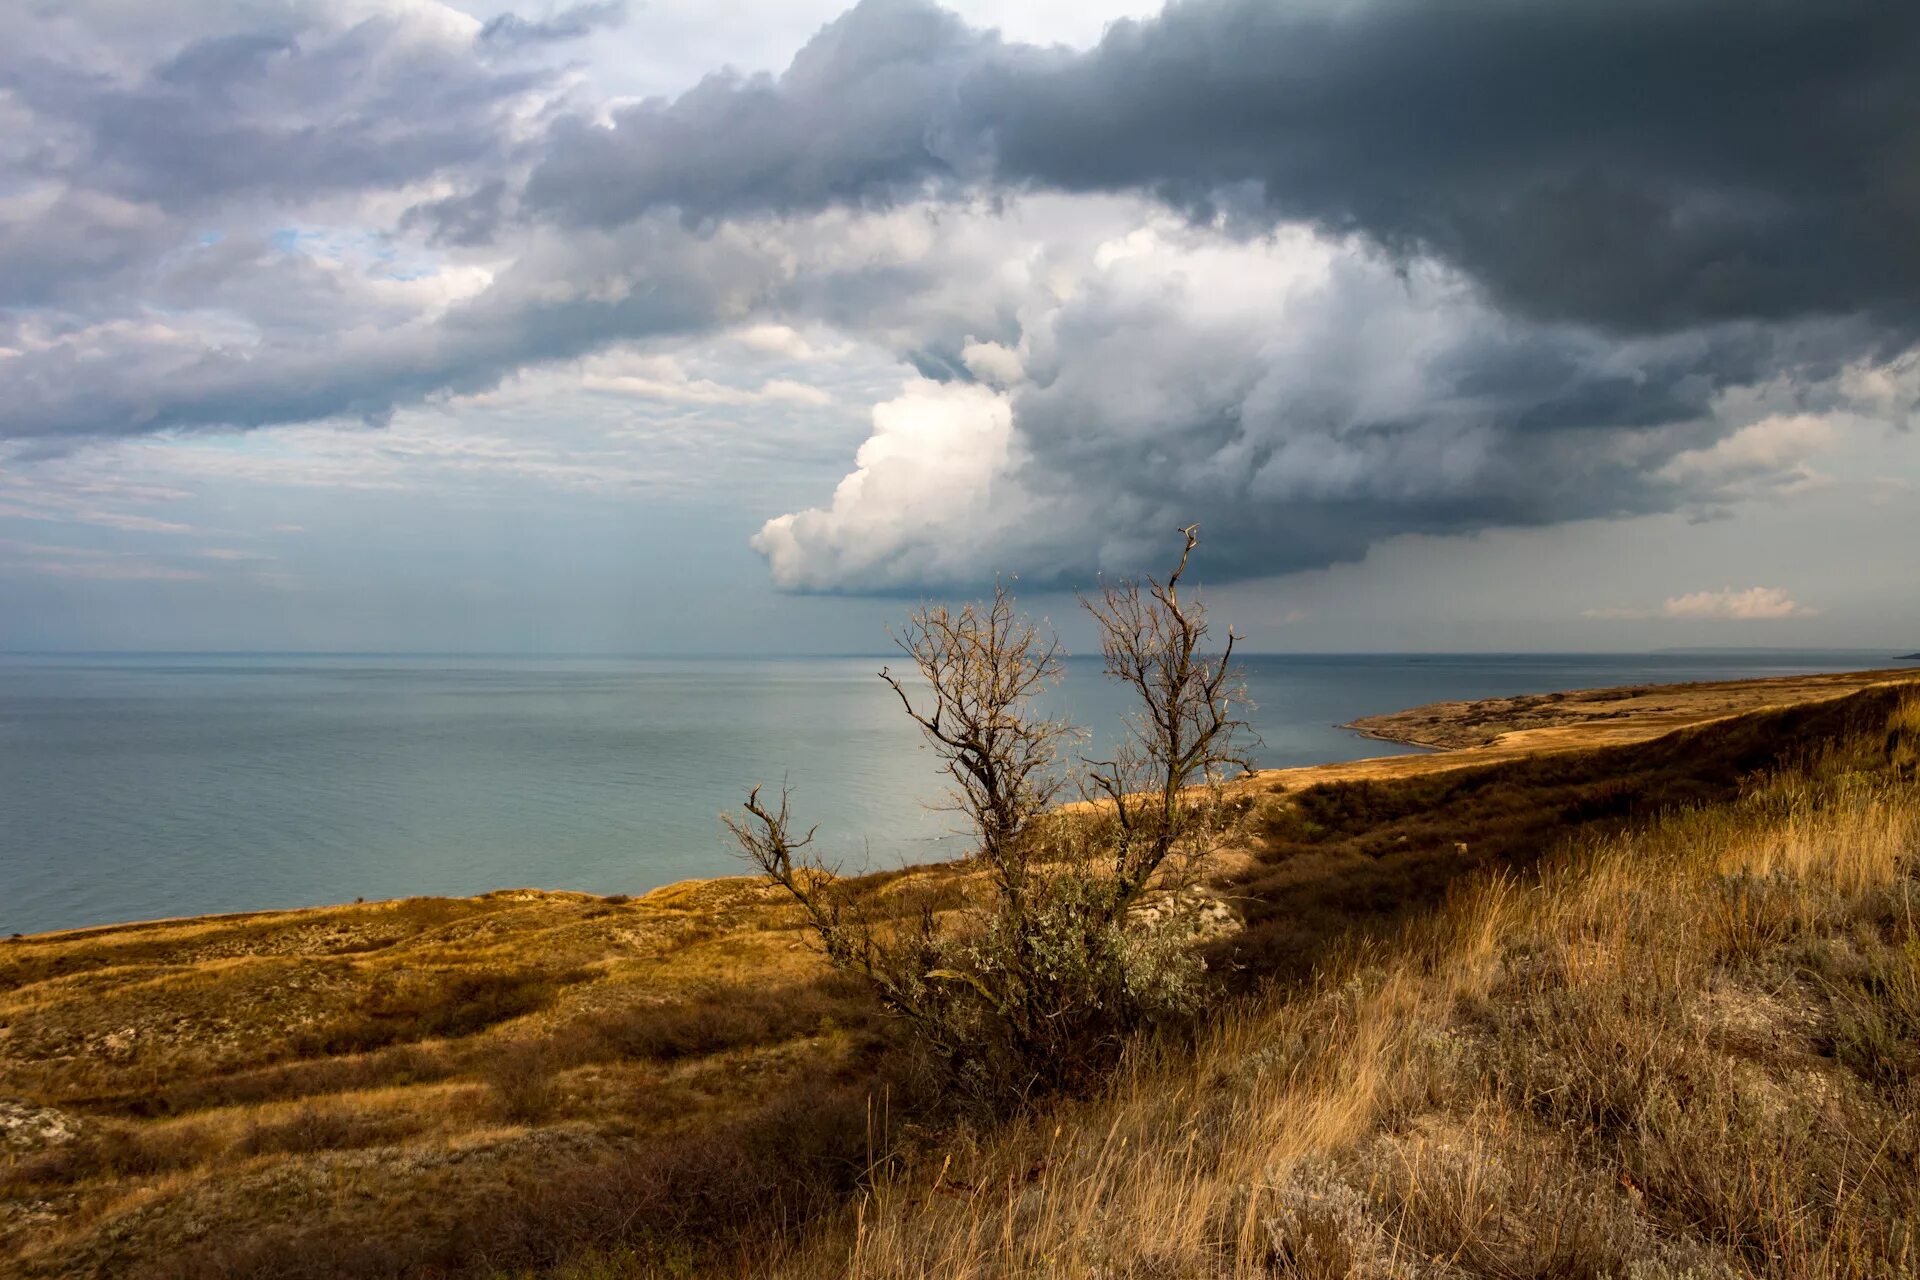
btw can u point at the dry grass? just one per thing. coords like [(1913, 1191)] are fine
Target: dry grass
[(1365, 853), (423, 1087), (1594, 717), (1693, 1049), (1691, 1041)]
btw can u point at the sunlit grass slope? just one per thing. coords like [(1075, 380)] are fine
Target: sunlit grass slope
[(1686, 1049)]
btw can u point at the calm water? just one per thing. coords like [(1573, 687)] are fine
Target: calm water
[(135, 787)]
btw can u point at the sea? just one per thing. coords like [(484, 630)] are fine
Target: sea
[(142, 786)]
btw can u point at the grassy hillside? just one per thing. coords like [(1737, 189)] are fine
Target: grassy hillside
[(1686, 1048), (1596, 717), (428, 1084), (1543, 1016)]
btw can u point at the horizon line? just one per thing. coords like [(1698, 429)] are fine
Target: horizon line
[(1892, 652)]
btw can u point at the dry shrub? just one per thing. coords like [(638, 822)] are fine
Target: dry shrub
[(1035, 987), (521, 1075), (716, 1018), (102, 1151), (314, 1128), (399, 1065), (1873, 985), (1903, 738), (432, 1004)]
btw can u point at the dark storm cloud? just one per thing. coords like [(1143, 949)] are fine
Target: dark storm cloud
[(861, 115), (1305, 401), (1641, 163), (510, 30), (1548, 240), (1636, 163), (1291, 469)]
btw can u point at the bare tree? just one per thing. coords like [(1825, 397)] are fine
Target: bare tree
[(1038, 984), (894, 959), (1186, 729), (765, 837), (982, 666)]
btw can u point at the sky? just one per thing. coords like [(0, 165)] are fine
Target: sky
[(732, 326)]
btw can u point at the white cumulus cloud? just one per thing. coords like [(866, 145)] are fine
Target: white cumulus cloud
[(1726, 605), (1754, 602), (940, 455)]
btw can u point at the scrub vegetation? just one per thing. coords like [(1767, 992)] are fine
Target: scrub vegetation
[(1641, 1010), (1081, 935)]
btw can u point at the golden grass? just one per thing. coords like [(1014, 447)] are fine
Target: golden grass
[(396, 1069), (1600, 717), (1686, 1051), (1685, 1045), (1903, 737)]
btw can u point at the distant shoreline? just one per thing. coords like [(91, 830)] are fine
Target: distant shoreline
[(1597, 717)]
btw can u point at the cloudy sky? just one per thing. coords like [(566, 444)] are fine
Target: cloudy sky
[(730, 325)]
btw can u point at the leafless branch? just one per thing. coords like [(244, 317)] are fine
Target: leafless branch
[(982, 665), (1184, 733)]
